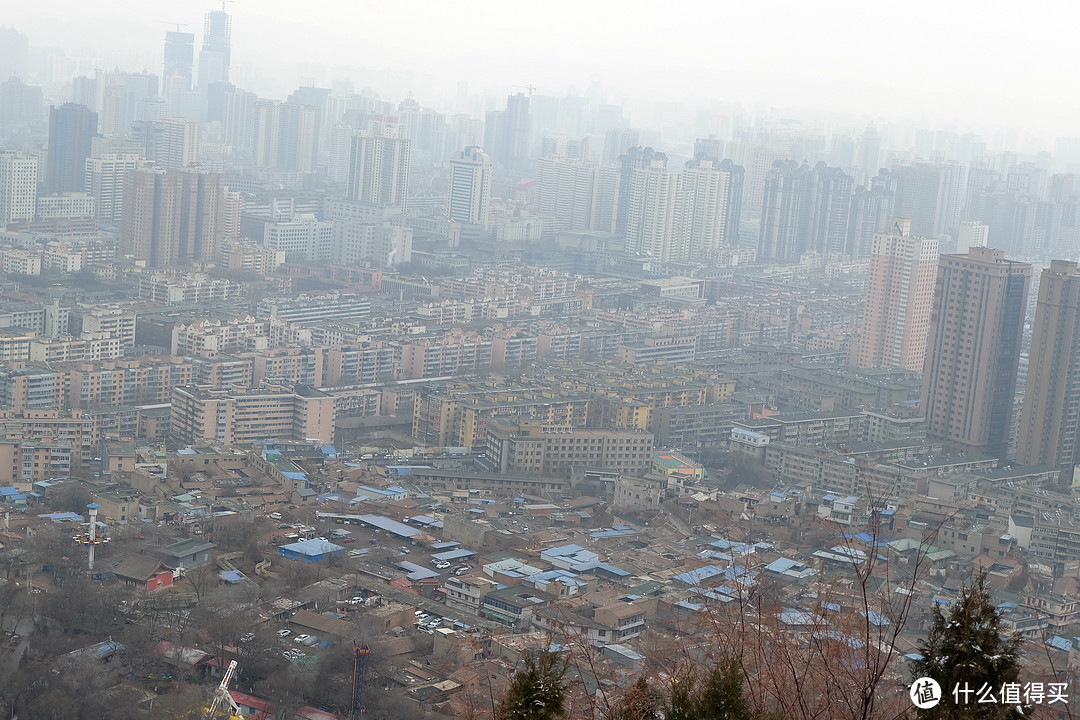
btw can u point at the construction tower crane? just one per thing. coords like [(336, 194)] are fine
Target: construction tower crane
[(222, 696), (360, 655), (170, 22)]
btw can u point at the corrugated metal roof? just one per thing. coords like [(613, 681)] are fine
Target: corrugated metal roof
[(312, 547), (416, 572), (453, 555), (693, 577)]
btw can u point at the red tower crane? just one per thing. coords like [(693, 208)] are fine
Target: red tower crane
[(360, 656)]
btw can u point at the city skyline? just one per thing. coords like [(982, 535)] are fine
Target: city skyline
[(279, 278), (947, 74)]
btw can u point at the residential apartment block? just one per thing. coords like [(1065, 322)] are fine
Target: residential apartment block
[(449, 419), (525, 447), (240, 418)]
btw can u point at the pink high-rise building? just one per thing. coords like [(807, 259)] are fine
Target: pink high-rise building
[(899, 295)]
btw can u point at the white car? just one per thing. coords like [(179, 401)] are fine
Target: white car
[(301, 638), (442, 565), (284, 633)]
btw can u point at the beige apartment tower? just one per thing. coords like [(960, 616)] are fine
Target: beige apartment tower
[(972, 352), (172, 218), (899, 295), (972, 234), (379, 164), (1048, 421)]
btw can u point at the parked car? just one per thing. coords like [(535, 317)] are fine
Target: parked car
[(404, 550), (441, 564), (301, 638), (348, 540), (247, 637), (284, 633)]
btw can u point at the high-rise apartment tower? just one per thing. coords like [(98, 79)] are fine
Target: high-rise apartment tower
[(899, 296), (973, 349), (470, 186), (1050, 419), (18, 187), (71, 130)]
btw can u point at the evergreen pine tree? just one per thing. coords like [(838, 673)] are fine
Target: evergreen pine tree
[(967, 649), (680, 705), (640, 701), (538, 691), (716, 695), (720, 696)]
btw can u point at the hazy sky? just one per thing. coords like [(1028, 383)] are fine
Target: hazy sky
[(985, 63)]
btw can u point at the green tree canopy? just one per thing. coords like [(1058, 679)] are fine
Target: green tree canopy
[(718, 694), (538, 691), (968, 649)]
